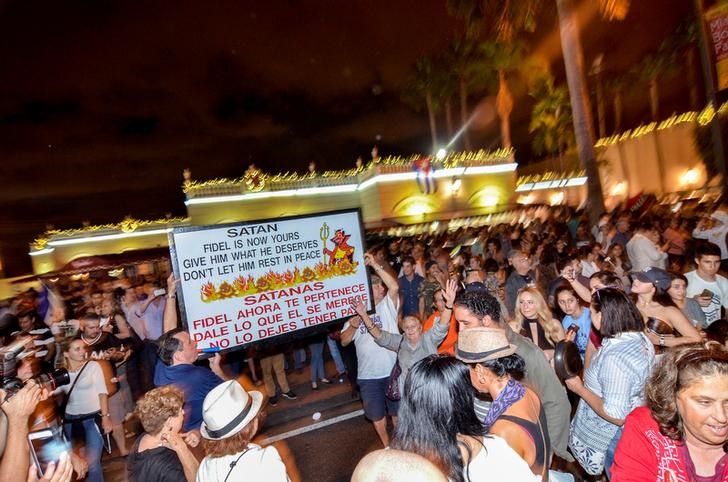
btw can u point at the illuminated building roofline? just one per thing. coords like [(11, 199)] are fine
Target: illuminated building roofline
[(128, 227), (293, 183), (704, 117)]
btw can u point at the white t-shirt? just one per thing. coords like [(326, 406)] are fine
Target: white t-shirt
[(373, 360), (256, 464), (498, 461), (85, 396), (719, 287)]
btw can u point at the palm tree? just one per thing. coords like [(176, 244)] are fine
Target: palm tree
[(616, 84), (513, 16), (421, 87), (683, 41), (462, 59), (651, 69), (448, 86), (504, 59), (551, 118)]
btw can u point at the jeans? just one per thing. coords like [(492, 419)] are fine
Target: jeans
[(609, 456), (334, 350), (299, 357), (94, 446), (555, 476), (317, 361)]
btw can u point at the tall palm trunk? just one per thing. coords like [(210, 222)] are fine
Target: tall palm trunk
[(504, 106), (448, 118), (618, 110), (692, 79), (601, 110), (433, 124), (464, 114), (654, 100), (583, 128)]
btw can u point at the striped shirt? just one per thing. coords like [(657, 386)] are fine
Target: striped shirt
[(617, 374)]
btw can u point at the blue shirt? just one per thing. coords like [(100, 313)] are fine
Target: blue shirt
[(584, 324), (196, 382), (410, 293)]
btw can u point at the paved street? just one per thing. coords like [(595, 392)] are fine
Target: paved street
[(324, 450)]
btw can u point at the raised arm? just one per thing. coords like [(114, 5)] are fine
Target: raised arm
[(170, 308), (451, 289), (16, 459), (389, 281)]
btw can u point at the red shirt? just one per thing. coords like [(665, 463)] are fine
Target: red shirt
[(645, 455)]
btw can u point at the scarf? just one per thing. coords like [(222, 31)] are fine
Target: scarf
[(512, 393)]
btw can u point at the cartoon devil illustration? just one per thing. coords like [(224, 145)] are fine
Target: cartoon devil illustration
[(341, 250)]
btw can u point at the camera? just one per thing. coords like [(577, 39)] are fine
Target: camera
[(10, 357)]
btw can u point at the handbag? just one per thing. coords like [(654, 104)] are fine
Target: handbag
[(392, 391)]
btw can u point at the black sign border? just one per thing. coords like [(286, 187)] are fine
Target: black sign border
[(283, 337)]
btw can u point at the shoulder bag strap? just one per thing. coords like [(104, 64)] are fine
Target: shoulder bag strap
[(73, 385)]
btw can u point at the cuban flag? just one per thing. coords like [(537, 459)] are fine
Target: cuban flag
[(424, 169)]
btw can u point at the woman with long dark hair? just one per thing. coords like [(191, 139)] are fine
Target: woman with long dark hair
[(659, 311), (613, 383), (577, 316), (689, 306), (516, 414), (437, 421)]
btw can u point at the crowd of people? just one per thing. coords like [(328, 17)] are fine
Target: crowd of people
[(465, 352)]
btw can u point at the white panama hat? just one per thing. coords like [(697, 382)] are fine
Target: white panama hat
[(227, 409)]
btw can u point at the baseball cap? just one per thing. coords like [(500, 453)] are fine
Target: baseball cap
[(655, 276)]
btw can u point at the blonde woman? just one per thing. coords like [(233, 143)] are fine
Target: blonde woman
[(534, 321)]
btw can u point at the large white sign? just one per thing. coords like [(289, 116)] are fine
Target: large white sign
[(246, 282)]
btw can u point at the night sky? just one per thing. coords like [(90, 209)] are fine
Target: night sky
[(103, 103)]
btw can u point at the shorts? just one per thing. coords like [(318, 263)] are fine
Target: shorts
[(376, 404)]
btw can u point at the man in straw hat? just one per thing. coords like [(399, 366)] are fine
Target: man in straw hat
[(231, 418), (478, 309)]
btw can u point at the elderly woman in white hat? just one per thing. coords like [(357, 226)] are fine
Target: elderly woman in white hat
[(516, 414), (231, 418)]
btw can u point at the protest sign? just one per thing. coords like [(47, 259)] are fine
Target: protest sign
[(247, 282)]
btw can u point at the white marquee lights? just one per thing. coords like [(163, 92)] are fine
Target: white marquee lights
[(344, 188), (557, 183)]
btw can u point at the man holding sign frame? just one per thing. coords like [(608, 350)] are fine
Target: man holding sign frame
[(375, 362)]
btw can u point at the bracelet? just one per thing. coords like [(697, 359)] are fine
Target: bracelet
[(662, 340), (448, 307), (172, 296), (106, 415)]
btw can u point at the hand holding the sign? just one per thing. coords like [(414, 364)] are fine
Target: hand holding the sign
[(369, 260), (172, 283)]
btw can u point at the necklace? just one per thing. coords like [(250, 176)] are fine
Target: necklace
[(89, 343)]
